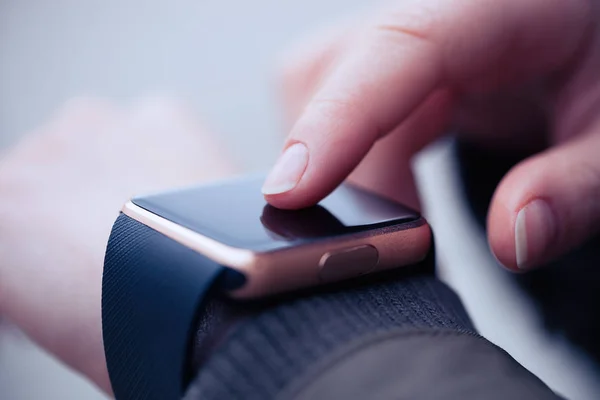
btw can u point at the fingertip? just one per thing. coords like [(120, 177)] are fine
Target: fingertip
[(504, 233), (288, 185), (290, 200), (527, 240), (501, 237), (288, 171), (532, 208)]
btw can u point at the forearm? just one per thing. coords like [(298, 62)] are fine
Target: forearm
[(68, 325), (60, 191)]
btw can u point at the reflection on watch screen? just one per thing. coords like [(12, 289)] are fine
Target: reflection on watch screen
[(235, 213)]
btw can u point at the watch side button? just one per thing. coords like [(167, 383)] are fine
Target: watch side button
[(348, 263)]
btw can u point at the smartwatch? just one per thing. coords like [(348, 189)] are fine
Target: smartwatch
[(169, 252)]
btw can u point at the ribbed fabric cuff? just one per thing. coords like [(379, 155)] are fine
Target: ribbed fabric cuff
[(281, 340)]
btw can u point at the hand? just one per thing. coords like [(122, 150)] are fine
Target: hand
[(376, 94), (60, 190)]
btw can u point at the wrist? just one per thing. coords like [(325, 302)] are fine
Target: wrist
[(284, 339), (59, 314)]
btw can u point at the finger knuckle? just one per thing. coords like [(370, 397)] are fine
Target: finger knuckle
[(415, 22)]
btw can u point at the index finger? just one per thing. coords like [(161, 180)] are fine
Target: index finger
[(401, 58)]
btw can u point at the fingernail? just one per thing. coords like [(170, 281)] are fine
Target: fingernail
[(287, 171), (534, 230)]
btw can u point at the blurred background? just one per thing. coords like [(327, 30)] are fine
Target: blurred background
[(221, 57)]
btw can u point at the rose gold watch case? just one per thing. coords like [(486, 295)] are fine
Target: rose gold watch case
[(293, 268)]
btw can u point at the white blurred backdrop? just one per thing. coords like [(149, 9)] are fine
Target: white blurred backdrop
[(221, 57)]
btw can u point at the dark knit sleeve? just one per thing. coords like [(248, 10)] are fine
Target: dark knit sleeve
[(403, 335)]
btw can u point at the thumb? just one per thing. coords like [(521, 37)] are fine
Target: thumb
[(548, 204)]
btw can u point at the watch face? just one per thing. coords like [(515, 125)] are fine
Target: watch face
[(235, 213)]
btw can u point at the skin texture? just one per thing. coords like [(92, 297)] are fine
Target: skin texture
[(364, 101), (60, 191), (372, 94)]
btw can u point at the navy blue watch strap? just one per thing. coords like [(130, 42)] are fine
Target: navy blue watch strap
[(152, 289)]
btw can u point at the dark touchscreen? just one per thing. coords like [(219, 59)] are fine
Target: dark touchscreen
[(235, 213)]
